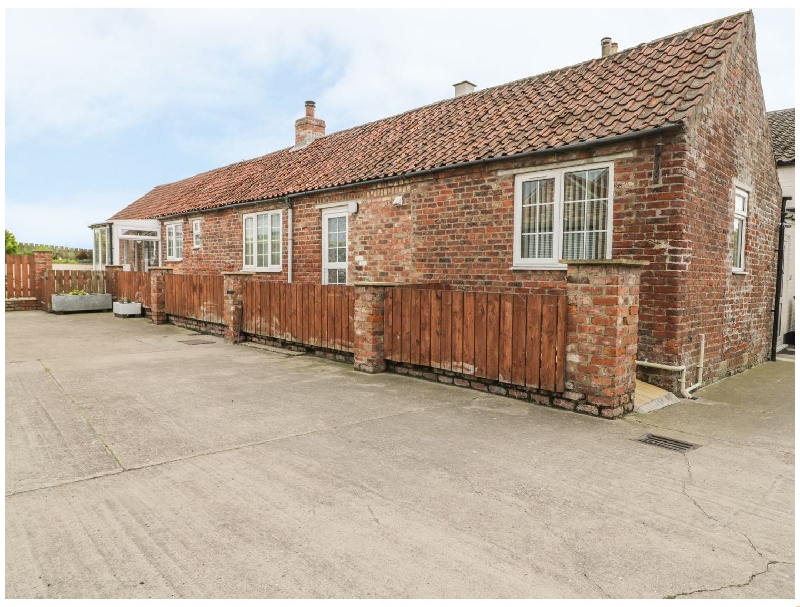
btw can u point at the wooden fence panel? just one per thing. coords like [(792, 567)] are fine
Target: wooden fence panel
[(135, 286), (313, 315), (20, 276), (200, 297), (516, 339)]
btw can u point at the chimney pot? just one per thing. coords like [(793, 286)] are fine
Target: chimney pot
[(308, 128), (607, 47), (465, 87)]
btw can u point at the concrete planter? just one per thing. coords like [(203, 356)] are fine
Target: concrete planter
[(92, 302), (126, 310)]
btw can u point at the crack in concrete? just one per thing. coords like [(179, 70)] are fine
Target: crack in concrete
[(211, 452), (82, 413), (694, 501), (742, 585)]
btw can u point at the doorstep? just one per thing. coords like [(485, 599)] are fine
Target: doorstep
[(649, 397)]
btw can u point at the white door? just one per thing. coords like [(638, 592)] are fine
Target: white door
[(334, 247)]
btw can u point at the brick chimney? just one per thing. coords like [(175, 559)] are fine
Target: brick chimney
[(607, 47), (308, 128)]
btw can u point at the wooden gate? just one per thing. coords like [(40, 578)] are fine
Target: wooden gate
[(196, 296)]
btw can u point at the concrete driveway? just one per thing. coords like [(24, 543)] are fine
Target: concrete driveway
[(141, 466)]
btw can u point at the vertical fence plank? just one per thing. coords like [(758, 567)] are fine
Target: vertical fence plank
[(468, 334), (456, 330), (436, 329), (351, 315), (446, 354), (397, 323), (415, 337), (533, 321), (506, 338), (493, 335), (388, 326), (406, 325), (519, 341), (561, 343), (425, 328), (480, 334), (547, 376)]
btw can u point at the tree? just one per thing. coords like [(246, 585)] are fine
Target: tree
[(11, 244)]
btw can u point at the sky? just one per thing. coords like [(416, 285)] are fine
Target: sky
[(103, 105)]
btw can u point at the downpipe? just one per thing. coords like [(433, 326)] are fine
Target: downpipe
[(685, 392)]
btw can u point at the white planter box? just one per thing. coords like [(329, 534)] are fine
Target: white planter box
[(127, 309), (91, 302)]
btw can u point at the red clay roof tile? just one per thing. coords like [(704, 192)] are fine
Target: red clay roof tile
[(634, 90)]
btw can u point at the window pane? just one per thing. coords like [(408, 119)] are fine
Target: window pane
[(342, 277), (332, 277), (248, 241), (575, 186), (738, 244), (585, 218), (597, 186), (740, 203), (545, 245), (262, 240), (342, 254), (536, 240), (573, 245)]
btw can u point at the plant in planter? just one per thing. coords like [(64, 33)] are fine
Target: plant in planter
[(125, 308), (79, 300)]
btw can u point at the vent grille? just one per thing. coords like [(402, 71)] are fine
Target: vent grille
[(673, 444), (196, 342)]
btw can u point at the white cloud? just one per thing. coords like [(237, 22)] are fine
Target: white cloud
[(83, 73)]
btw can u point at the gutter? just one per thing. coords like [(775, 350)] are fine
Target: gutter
[(552, 150)]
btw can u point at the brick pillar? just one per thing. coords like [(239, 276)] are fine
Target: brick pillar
[(602, 333), (232, 312), (111, 279), (158, 312), (368, 353), (42, 263)]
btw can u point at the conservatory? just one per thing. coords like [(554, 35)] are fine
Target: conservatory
[(134, 244)]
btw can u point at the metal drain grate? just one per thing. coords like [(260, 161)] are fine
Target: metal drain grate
[(195, 342), (673, 444)]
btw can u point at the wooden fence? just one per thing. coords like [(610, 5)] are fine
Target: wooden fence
[(134, 286), (195, 296), (516, 339), (20, 276), (314, 315), (64, 281)]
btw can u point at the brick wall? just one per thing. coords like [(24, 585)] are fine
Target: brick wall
[(728, 145), (673, 201)]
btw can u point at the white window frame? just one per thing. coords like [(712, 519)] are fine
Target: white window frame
[(738, 265), (553, 263), (175, 251), (338, 211), (270, 267), (197, 241)]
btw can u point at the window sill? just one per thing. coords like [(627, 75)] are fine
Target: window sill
[(196, 248), (555, 266), (740, 272), (262, 270), (174, 259)]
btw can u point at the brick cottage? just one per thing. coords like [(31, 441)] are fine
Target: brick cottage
[(659, 154)]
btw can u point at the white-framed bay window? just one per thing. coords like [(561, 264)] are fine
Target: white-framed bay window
[(563, 214), (741, 198), (262, 241), (174, 241)]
